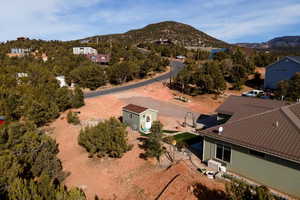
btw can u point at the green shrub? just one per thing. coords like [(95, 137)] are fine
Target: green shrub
[(72, 118), (168, 140), (29, 168), (108, 138), (153, 144), (78, 98), (238, 189)]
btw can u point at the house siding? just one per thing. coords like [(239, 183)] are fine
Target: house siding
[(282, 70), (136, 120), (132, 122), (84, 50), (272, 171)]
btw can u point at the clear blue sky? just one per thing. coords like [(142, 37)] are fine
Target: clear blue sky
[(228, 20)]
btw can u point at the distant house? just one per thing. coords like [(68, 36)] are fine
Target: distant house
[(21, 76), (260, 140), (22, 38), (62, 81), (84, 51), (39, 55), (283, 69), (2, 120), (44, 57), (163, 41), (139, 118), (18, 52), (85, 41), (103, 59)]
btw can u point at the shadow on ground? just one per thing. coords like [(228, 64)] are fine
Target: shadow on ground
[(204, 193)]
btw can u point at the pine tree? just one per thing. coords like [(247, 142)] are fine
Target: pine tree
[(78, 98), (108, 138), (153, 144)]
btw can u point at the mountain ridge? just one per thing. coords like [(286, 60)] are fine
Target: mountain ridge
[(282, 42), (177, 32)]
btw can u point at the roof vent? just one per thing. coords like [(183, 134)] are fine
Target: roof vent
[(220, 130), (276, 124)]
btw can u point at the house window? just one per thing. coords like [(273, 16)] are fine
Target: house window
[(130, 116), (148, 119), (257, 153), (223, 153)]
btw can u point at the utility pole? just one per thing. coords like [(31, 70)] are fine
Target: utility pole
[(171, 74)]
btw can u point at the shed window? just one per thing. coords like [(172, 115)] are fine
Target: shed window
[(223, 153), (130, 116)]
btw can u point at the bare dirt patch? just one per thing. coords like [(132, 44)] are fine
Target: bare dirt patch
[(130, 177)]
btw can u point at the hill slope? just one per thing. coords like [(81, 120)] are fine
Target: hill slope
[(284, 42), (179, 33)]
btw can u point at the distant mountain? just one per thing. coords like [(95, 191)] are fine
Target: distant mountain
[(169, 30), (286, 42)]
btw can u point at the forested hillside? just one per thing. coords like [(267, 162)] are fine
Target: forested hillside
[(179, 33), (210, 76), (31, 97), (29, 168), (283, 46)]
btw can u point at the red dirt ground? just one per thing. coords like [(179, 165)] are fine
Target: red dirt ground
[(129, 177)]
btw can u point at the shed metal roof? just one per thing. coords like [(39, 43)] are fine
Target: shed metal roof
[(135, 108)]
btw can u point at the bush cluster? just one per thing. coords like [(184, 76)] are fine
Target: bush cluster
[(29, 168), (289, 89), (108, 138), (72, 118)]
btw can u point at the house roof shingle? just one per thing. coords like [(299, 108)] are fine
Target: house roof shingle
[(296, 110), (240, 106), (135, 108), (275, 131), (99, 58), (295, 58)]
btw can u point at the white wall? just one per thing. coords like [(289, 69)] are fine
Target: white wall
[(84, 50), (61, 80)]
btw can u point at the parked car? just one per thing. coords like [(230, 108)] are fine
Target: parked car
[(253, 93)]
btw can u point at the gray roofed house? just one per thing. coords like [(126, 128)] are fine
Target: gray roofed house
[(261, 141), (283, 69), (238, 107)]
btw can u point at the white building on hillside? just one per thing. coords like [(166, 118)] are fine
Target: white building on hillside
[(20, 77), (62, 81), (20, 51), (84, 50)]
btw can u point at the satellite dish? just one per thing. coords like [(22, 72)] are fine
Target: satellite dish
[(221, 129)]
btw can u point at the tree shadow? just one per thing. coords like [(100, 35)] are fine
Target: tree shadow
[(120, 119), (256, 82), (142, 145), (204, 193)]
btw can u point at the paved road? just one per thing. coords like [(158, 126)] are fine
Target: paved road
[(175, 68)]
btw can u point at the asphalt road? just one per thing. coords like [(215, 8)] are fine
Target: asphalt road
[(175, 68)]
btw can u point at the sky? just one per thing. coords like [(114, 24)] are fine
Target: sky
[(229, 20)]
